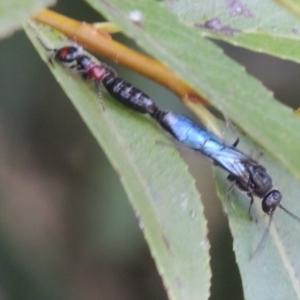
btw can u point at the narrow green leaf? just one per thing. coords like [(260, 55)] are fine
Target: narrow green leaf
[(273, 272), (261, 26), (14, 12), (159, 186), (202, 64)]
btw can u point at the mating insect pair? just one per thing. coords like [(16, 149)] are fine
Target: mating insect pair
[(246, 173)]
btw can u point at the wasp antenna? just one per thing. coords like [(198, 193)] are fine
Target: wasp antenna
[(53, 50), (44, 45), (289, 213), (262, 240)]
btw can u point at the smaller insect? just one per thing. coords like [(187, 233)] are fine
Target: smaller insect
[(102, 74)]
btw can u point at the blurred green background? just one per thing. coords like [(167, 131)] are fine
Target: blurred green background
[(67, 230)]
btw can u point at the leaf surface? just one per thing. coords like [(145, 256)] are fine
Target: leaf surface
[(14, 12), (262, 26)]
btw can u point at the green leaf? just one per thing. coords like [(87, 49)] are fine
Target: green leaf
[(14, 12), (216, 77), (261, 26), (273, 271), (159, 186)]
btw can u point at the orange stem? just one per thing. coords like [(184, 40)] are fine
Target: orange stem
[(100, 42)]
